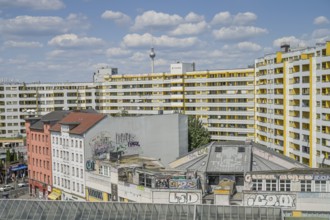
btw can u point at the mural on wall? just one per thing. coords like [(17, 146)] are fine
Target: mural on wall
[(184, 198), (123, 143), (278, 200), (183, 184)]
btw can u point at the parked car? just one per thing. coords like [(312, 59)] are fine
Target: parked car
[(6, 188), (22, 184)]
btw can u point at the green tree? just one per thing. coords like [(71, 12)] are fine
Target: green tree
[(14, 156), (198, 135), (8, 155)]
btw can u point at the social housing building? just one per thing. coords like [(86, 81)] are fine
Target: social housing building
[(282, 102)]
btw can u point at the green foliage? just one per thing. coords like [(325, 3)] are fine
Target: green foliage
[(198, 135), (14, 156), (8, 155)]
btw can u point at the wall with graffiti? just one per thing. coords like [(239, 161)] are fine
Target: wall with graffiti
[(286, 200), (162, 137), (177, 197), (104, 143)]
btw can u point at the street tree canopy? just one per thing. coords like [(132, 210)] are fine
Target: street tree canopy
[(198, 135)]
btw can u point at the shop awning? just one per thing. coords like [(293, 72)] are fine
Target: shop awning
[(54, 196), (19, 168)]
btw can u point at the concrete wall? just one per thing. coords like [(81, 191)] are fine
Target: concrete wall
[(304, 201), (134, 192), (162, 137)]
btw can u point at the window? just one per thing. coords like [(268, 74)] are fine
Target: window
[(73, 186), (306, 185), (72, 171), (320, 186), (95, 193), (257, 185), (81, 173), (285, 185), (72, 157), (270, 185), (144, 180), (77, 173), (77, 187), (76, 157), (81, 158), (82, 188)]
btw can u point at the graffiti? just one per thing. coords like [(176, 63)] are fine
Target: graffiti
[(321, 177), (295, 177), (183, 184), (249, 177), (271, 200), (100, 144), (183, 198), (198, 153), (162, 183), (125, 143)]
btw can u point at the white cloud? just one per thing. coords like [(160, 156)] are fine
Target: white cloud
[(34, 4), (190, 29), (320, 33), (244, 18), (117, 52), (73, 41), (193, 17), (248, 46), (222, 18), (153, 19), (25, 44), (118, 17), (238, 32), (225, 18), (292, 40), (137, 40), (42, 25), (321, 20)]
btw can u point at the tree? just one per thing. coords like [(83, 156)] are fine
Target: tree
[(14, 156), (8, 155), (198, 135)]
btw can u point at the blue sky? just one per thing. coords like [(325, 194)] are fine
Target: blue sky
[(66, 41)]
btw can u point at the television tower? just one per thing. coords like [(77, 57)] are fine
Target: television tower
[(152, 56)]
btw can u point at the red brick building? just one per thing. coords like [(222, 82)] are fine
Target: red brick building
[(39, 151)]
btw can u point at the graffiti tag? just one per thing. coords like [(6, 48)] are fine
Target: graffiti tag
[(271, 200), (183, 184), (186, 198)]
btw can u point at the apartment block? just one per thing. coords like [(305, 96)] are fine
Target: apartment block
[(19, 101), (222, 99), (292, 103)]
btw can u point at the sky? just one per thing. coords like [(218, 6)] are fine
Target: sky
[(67, 41)]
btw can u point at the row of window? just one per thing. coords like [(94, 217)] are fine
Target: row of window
[(39, 163), (286, 186), (38, 137), (65, 169), (65, 156), (67, 142), (40, 177), (65, 183), (36, 149)]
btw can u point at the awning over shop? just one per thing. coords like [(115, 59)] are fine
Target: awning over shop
[(54, 195), (19, 168)]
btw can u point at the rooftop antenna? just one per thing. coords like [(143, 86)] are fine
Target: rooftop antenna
[(152, 56)]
